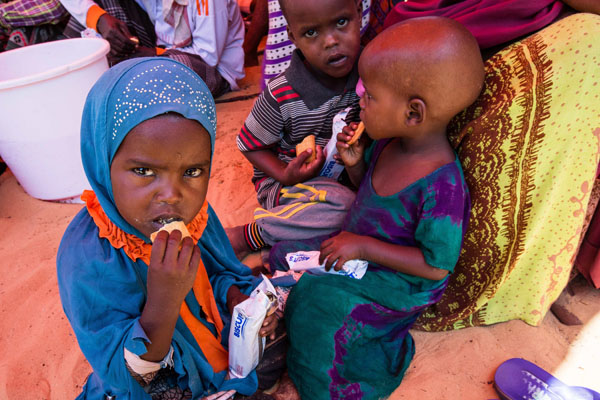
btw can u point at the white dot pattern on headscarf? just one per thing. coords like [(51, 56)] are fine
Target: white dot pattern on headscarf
[(147, 89)]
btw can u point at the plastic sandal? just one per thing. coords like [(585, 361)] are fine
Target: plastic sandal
[(520, 379)]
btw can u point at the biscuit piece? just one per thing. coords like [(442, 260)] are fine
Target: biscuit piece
[(170, 227), (307, 143), (357, 133)]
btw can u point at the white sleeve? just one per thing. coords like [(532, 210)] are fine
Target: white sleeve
[(218, 37), (78, 9), (142, 367)]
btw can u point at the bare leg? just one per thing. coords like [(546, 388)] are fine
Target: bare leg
[(259, 27)]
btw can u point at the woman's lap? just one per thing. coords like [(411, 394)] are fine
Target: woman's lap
[(530, 149)]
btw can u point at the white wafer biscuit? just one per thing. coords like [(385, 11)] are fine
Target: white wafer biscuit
[(170, 227)]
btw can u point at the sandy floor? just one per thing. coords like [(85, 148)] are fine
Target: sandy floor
[(41, 359)]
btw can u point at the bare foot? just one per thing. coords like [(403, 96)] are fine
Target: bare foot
[(286, 390), (238, 241), (565, 307)]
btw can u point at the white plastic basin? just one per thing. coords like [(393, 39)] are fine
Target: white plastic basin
[(42, 92)]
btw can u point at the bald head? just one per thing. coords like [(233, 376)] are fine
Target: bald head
[(433, 58)]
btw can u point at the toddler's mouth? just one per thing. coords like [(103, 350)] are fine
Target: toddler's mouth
[(336, 59)]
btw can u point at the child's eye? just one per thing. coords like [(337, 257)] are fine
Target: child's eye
[(342, 22), (311, 33), (193, 172), (143, 171)]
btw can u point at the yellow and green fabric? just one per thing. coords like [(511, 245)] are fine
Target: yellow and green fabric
[(529, 147)]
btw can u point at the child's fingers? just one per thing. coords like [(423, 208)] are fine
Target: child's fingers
[(340, 263), (158, 247), (324, 252), (338, 159), (196, 257), (189, 255), (302, 157), (269, 325), (173, 242), (330, 261), (319, 152)]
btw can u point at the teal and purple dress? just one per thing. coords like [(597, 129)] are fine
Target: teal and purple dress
[(349, 338)]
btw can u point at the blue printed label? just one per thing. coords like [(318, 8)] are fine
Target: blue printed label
[(240, 323)]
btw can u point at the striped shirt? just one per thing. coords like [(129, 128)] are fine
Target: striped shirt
[(21, 13), (292, 106)]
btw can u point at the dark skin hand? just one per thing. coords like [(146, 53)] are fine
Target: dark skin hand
[(117, 34), (140, 51), (171, 275), (349, 246), (235, 297), (289, 174), (352, 156)]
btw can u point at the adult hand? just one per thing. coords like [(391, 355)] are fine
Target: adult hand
[(350, 155), (116, 32), (343, 247), (172, 272), (298, 171), (140, 51)]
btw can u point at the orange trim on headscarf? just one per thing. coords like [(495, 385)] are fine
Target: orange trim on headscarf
[(136, 248)]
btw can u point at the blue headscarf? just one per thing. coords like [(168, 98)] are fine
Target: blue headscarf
[(132, 92), (102, 290)]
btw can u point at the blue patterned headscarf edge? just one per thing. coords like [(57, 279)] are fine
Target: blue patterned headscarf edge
[(126, 95)]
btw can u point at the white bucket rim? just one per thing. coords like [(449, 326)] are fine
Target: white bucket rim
[(103, 49)]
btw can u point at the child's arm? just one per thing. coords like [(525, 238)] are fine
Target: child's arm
[(288, 174), (406, 259), (352, 155)]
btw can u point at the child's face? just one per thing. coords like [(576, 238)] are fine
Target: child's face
[(381, 107), (327, 32), (160, 172)]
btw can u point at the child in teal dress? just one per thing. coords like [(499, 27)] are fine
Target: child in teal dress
[(349, 338)]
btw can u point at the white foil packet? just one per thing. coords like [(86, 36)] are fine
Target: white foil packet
[(331, 168), (246, 347), (309, 261)]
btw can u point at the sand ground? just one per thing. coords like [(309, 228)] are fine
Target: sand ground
[(41, 359)]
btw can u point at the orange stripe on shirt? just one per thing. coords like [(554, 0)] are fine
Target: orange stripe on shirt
[(202, 8)]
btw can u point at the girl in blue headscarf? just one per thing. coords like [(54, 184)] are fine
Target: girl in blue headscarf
[(151, 319)]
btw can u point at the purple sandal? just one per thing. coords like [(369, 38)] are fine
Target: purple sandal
[(520, 379)]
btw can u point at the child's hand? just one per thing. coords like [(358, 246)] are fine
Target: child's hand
[(269, 325), (172, 272), (343, 247), (235, 297), (298, 171), (350, 155)]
